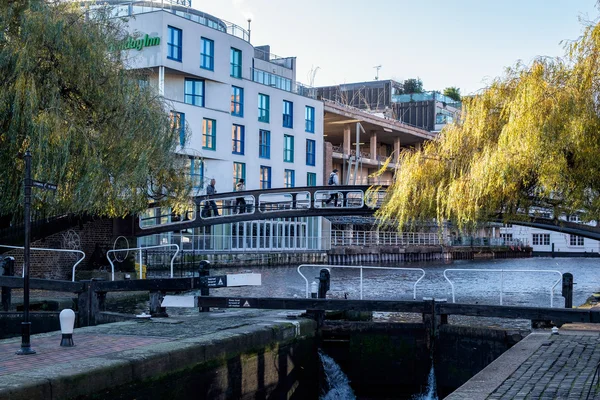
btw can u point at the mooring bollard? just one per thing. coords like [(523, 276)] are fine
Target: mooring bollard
[(67, 323), (7, 269), (203, 270), (567, 289), (314, 289)]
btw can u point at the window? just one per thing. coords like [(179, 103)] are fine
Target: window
[(196, 173), (575, 240), (574, 218), (207, 59), (178, 125), (263, 107), (290, 178), (239, 172), (310, 152), (235, 60), (265, 177), (309, 116), (174, 44), (311, 179), (288, 114), (237, 101), (540, 239), (288, 148), (194, 92), (237, 139), (209, 134), (506, 237), (264, 144)]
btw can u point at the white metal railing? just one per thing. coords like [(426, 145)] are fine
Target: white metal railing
[(55, 250), (381, 238), (502, 271), (361, 274), (112, 266)]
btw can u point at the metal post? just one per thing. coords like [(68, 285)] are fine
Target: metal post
[(567, 289), (501, 285), (8, 270), (203, 270), (26, 324)]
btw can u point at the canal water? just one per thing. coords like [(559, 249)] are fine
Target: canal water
[(473, 287)]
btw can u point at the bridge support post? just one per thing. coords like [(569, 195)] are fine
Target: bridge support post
[(8, 269)]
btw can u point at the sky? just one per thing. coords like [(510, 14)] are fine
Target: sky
[(462, 43)]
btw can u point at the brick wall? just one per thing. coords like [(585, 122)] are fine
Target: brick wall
[(54, 265)]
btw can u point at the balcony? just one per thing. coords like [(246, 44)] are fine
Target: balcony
[(281, 82)]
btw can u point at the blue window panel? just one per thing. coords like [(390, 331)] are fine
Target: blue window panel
[(237, 139), (197, 173), (237, 101), (235, 61), (265, 177), (263, 108), (288, 114), (311, 149), (178, 125), (209, 134), (207, 54), (194, 92), (288, 148), (239, 172), (264, 146), (311, 179), (289, 178), (174, 44), (309, 116)]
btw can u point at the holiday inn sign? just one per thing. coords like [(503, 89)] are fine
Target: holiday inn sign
[(138, 44)]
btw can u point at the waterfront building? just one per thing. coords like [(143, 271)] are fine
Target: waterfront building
[(244, 114)]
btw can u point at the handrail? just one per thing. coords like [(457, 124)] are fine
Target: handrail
[(58, 250), (502, 278), (361, 274), (141, 248)]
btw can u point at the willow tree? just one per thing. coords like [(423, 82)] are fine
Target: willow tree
[(91, 128), (531, 138)]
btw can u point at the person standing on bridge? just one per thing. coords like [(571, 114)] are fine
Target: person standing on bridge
[(333, 181), (240, 202), (210, 190)]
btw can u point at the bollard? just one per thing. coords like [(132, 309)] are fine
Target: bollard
[(67, 323), (324, 283), (567, 289), (314, 289), (7, 269), (204, 271)]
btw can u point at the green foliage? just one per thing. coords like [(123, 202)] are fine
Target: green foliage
[(452, 92), (412, 86), (532, 137), (91, 128)]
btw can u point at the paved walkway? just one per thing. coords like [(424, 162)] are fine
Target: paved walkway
[(542, 366)]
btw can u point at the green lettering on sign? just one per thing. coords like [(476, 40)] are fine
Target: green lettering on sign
[(138, 44)]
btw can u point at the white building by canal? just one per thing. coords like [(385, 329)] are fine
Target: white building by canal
[(248, 117)]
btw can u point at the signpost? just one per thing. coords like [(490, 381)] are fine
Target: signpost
[(28, 183)]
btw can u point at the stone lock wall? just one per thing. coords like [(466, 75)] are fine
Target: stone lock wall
[(55, 265)]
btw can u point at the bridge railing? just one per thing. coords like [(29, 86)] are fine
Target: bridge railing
[(360, 268), (502, 272), (383, 238)]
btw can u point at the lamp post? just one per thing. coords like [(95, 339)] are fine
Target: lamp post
[(26, 324)]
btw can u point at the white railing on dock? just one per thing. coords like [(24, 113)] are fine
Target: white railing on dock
[(383, 238), (112, 266), (502, 272), (361, 268), (55, 250)]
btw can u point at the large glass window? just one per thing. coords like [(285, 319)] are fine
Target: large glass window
[(309, 116), (174, 44), (311, 149), (289, 178), (235, 61), (263, 107), (311, 179), (239, 172), (178, 125), (288, 148), (288, 114), (196, 173), (237, 101), (207, 54), (264, 146), (194, 92), (209, 134), (265, 177), (237, 139)]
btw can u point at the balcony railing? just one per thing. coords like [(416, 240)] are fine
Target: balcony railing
[(281, 82), (378, 157)]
